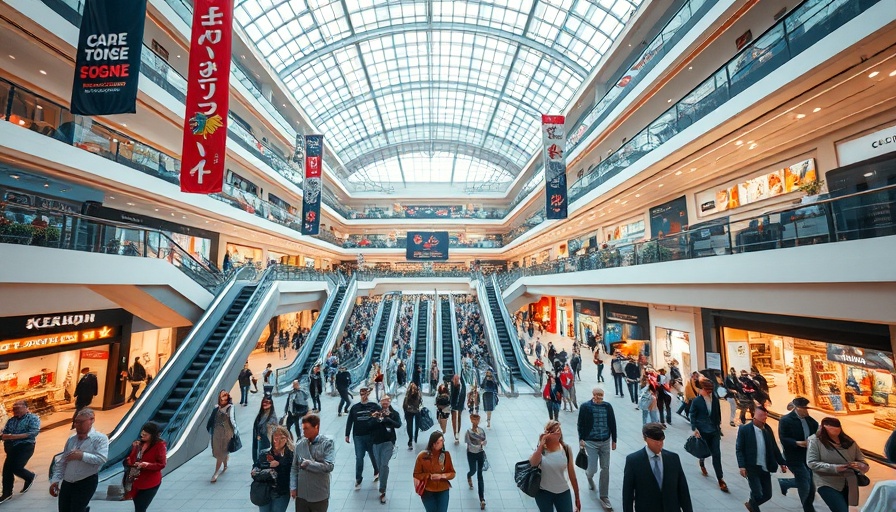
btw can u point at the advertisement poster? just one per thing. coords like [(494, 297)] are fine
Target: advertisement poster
[(428, 212), (107, 65), (554, 166), (758, 188), (427, 245), (311, 191), (208, 98), (586, 316), (669, 218), (625, 323), (632, 230), (861, 357)]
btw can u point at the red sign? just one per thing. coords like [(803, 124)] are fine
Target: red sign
[(208, 97), (94, 354)]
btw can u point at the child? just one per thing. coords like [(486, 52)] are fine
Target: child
[(475, 439)]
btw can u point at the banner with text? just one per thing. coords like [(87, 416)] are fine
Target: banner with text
[(427, 245), (208, 98), (107, 65), (314, 161), (554, 166)]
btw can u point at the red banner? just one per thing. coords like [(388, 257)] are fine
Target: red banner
[(208, 96)]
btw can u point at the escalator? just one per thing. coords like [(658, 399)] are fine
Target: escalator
[(420, 344), (379, 338), (448, 341), (319, 340), (503, 335)]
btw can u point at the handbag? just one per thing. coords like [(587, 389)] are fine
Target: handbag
[(261, 492), (485, 464), (424, 419), (582, 459), (234, 444), (697, 447), (527, 477), (420, 486), (862, 479), (130, 474)]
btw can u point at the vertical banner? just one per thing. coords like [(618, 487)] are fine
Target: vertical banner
[(554, 166), (314, 160), (208, 98), (107, 65)]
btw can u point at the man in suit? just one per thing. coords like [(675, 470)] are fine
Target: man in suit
[(758, 457), (653, 480), (706, 421), (85, 390), (794, 429)]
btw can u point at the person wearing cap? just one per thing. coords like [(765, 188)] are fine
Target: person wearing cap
[(653, 478), (758, 457), (706, 422), (794, 430), (362, 420)]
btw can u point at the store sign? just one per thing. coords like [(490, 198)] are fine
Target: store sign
[(59, 320), (20, 345), (861, 357), (94, 354), (554, 166), (868, 146), (758, 188)]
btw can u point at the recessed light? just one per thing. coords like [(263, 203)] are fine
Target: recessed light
[(892, 73), (873, 74), (184, 217), (800, 116), (660, 185), (124, 124), (111, 197), (206, 222), (284, 104), (172, 214), (14, 176), (616, 201), (678, 173), (131, 204), (40, 107), (868, 174), (816, 109), (13, 57), (46, 185), (242, 56), (669, 100), (42, 72), (637, 195), (156, 209), (690, 68), (625, 202), (178, 56), (749, 142), (21, 122), (693, 169), (754, 146), (739, 143)]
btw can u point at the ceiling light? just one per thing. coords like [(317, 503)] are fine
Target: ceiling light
[(21, 122), (754, 146), (637, 195), (156, 209), (184, 217), (892, 73), (114, 140), (14, 176), (616, 201), (624, 202), (800, 116), (678, 173), (42, 72), (660, 185), (131, 204), (749, 142), (739, 143), (111, 197), (693, 169), (178, 56), (172, 214), (13, 57), (669, 100), (868, 174), (40, 107), (816, 109), (242, 56), (124, 124), (873, 74), (690, 68), (46, 185)]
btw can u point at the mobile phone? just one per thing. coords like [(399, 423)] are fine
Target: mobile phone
[(270, 457)]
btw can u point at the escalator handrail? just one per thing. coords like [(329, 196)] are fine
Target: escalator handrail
[(455, 338), (437, 333), (527, 370), (363, 367), (313, 334), (505, 375), (341, 316), (386, 351), (430, 333)]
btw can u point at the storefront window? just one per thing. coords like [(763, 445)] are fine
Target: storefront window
[(242, 255), (671, 346), (853, 384)]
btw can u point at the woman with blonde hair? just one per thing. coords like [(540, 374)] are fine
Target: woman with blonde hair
[(558, 474), (274, 466)]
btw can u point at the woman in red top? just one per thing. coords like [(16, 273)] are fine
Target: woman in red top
[(149, 454)]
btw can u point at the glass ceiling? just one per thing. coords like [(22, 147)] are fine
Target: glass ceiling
[(448, 91)]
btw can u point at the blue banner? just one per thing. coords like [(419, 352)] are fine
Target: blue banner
[(314, 160), (427, 245)]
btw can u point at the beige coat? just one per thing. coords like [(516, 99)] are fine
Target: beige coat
[(824, 461)]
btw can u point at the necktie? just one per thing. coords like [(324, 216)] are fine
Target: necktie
[(657, 472)]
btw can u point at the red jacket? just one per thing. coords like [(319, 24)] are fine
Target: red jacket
[(151, 475), (566, 379)]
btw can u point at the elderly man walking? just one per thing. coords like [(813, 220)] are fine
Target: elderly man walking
[(597, 435), (75, 478), (19, 437)]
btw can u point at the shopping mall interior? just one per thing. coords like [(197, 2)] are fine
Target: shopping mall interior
[(705, 184)]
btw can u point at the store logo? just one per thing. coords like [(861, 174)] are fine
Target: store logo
[(59, 321)]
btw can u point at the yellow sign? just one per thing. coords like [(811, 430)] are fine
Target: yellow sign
[(56, 340)]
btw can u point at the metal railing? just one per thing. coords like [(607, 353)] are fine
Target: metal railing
[(527, 370), (505, 376)]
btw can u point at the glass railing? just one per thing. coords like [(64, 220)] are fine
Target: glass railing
[(807, 24), (25, 225), (623, 83), (868, 214)]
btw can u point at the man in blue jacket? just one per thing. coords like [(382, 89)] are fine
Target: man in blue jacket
[(794, 429), (758, 457)]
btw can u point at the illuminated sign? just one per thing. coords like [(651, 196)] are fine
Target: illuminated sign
[(42, 322), (57, 340)]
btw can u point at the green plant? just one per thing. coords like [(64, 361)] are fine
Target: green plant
[(811, 188), (652, 252), (15, 233), (45, 236)]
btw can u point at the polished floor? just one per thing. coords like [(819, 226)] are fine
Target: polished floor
[(514, 433)]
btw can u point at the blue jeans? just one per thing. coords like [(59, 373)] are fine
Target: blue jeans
[(760, 483), (618, 382), (599, 455), (244, 395), (802, 481), (837, 501), (382, 453), (363, 444), (435, 501), (650, 416), (277, 504), (548, 501), (633, 391), (476, 462)]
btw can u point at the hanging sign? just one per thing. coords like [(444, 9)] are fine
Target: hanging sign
[(107, 65), (554, 166), (314, 161), (208, 98)]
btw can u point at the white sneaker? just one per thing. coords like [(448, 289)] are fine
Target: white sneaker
[(606, 503)]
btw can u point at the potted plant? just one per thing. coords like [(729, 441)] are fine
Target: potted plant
[(15, 233), (652, 252), (811, 189)]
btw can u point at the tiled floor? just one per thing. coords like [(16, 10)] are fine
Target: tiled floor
[(515, 428)]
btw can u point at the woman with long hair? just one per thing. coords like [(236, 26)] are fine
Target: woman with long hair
[(264, 424), (558, 474), (274, 465), (435, 469), (553, 396), (413, 401), (489, 396), (647, 401), (835, 460), (149, 455), (443, 406), (222, 427), (458, 392)]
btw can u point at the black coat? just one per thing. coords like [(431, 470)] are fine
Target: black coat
[(790, 430), (745, 448), (316, 385), (86, 389), (640, 491), (701, 419)]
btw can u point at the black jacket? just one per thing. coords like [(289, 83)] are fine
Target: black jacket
[(640, 491), (359, 418), (343, 380), (745, 448), (586, 420), (384, 428), (632, 371), (86, 389), (701, 419), (316, 385), (790, 430), (458, 396)]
